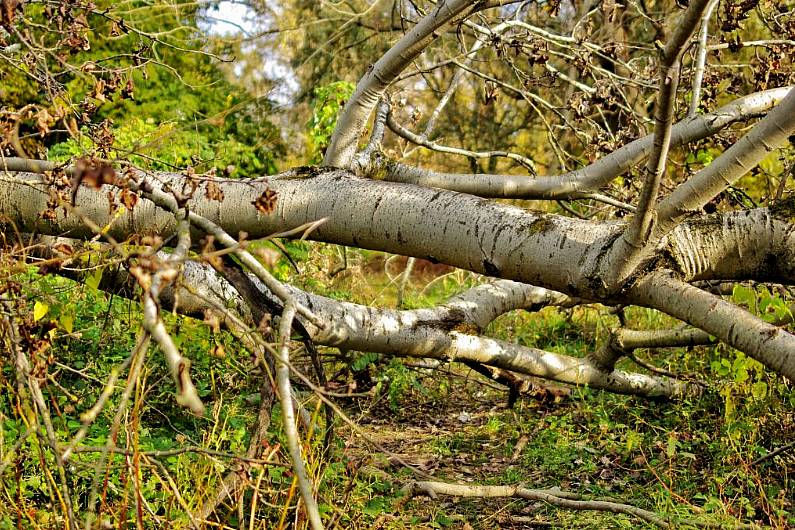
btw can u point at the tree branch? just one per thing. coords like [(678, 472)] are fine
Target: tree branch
[(553, 496), (701, 59), (570, 185), (288, 416), (768, 344), (372, 86), (630, 250), (772, 131)]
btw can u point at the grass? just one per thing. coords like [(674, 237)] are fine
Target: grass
[(690, 458)]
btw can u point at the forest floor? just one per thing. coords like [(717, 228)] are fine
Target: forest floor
[(695, 459), (653, 455), (705, 457)]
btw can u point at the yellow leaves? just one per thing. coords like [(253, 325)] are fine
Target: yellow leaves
[(67, 320), (40, 310), (65, 316), (93, 280), (218, 351)]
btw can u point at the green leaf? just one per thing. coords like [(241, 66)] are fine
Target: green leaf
[(364, 361), (67, 320), (670, 448), (375, 507), (759, 390), (745, 296), (93, 280)]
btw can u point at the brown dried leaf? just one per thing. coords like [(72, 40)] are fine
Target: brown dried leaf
[(169, 275), (94, 172), (128, 92), (128, 199), (44, 120), (99, 90), (218, 351), (81, 20), (65, 249), (143, 277), (266, 203), (8, 10), (213, 192)]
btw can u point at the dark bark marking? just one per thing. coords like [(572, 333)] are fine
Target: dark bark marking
[(490, 268)]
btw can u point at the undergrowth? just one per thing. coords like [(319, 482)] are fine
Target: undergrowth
[(703, 457)]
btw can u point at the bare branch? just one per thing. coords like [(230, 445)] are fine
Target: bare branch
[(424, 142), (371, 87), (629, 250), (553, 496), (768, 344), (771, 132), (153, 324), (701, 59), (288, 416), (572, 184)]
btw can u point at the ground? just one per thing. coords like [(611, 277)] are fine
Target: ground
[(702, 457)]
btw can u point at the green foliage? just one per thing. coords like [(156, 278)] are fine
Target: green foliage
[(165, 103), (703, 157), (363, 361), (160, 102), (92, 333), (327, 102), (399, 382)]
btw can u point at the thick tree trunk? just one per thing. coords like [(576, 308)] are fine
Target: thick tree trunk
[(468, 232)]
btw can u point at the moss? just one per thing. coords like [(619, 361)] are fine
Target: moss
[(383, 170), (541, 225)]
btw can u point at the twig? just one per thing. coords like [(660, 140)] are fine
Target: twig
[(782, 449), (288, 416), (404, 280), (88, 417), (166, 453), (556, 497), (701, 59), (138, 355), (24, 377), (178, 365)]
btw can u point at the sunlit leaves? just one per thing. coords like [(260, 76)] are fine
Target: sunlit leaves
[(40, 309)]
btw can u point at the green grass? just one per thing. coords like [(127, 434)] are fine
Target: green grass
[(688, 458)]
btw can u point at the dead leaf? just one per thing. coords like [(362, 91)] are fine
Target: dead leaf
[(129, 199), (266, 203), (213, 192), (8, 11)]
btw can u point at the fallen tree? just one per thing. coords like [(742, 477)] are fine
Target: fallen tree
[(667, 244)]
